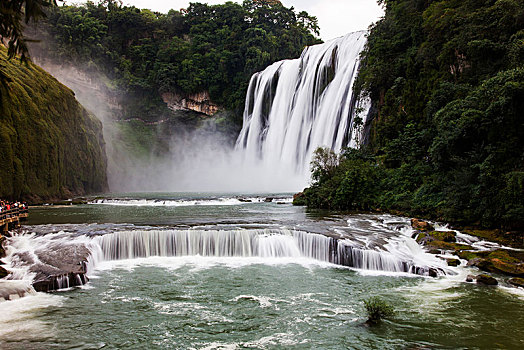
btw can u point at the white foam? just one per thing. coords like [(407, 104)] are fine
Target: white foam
[(224, 201), (18, 320)]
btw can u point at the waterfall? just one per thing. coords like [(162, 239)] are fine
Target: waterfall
[(261, 243), (295, 106), (59, 260)]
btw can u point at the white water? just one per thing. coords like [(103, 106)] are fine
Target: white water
[(222, 201), (263, 243), (295, 106), (260, 246)]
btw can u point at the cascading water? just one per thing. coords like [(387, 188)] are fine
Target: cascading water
[(59, 260), (295, 106), (249, 243)]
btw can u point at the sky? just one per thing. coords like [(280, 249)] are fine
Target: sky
[(336, 17)]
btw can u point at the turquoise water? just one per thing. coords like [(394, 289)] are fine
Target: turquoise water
[(199, 302)]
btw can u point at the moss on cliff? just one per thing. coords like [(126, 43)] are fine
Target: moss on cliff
[(50, 146)]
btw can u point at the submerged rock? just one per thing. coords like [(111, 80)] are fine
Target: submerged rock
[(470, 278), (486, 280)]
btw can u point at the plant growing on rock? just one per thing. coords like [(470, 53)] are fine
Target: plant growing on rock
[(377, 309)]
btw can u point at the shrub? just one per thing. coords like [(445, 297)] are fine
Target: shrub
[(377, 309)]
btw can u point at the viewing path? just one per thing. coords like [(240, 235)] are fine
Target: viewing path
[(11, 219)]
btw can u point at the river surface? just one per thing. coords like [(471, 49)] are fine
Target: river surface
[(248, 272)]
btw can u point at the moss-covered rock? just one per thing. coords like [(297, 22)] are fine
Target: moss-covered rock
[(455, 247), (506, 262), (512, 239), (50, 146), (453, 262), (443, 236)]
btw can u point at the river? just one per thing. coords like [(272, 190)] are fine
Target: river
[(231, 271)]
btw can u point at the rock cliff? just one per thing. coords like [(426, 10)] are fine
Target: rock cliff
[(50, 146)]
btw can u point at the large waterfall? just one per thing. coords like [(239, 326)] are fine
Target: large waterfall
[(295, 106)]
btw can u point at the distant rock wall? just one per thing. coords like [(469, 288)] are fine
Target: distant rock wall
[(199, 102)]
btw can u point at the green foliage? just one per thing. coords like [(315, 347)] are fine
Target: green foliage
[(447, 82), (49, 145), (214, 48), (13, 15), (377, 309)]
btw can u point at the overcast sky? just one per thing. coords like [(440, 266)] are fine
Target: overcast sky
[(336, 17)]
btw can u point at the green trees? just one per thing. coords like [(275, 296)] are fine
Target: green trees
[(214, 48), (446, 78)]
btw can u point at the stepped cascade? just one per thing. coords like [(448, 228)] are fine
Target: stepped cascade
[(295, 106), (248, 243)]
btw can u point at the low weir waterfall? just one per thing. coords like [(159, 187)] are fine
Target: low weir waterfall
[(248, 243), (295, 106)]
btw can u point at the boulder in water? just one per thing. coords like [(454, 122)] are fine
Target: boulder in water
[(421, 225), (56, 266), (453, 262), (499, 261), (3, 272), (486, 280)]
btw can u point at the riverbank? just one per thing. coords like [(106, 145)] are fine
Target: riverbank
[(453, 245)]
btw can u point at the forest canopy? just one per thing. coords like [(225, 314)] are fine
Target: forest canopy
[(214, 48)]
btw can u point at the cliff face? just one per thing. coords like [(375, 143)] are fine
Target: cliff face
[(199, 102), (50, 146)]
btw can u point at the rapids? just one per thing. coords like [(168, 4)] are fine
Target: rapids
[(260, 274)]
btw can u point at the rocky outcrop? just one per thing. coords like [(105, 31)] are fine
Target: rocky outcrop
[(501, 261), (57, 266), (199, 102), (421, 225), (50, 146)]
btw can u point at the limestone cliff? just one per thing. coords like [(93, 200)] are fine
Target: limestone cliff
[(199, 102), (50, 146)]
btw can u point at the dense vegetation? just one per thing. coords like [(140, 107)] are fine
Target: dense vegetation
[(213, 48), (447, 80), (49, 145)]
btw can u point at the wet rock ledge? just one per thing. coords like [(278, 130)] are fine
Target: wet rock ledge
[(57, 266), (509, 262)]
